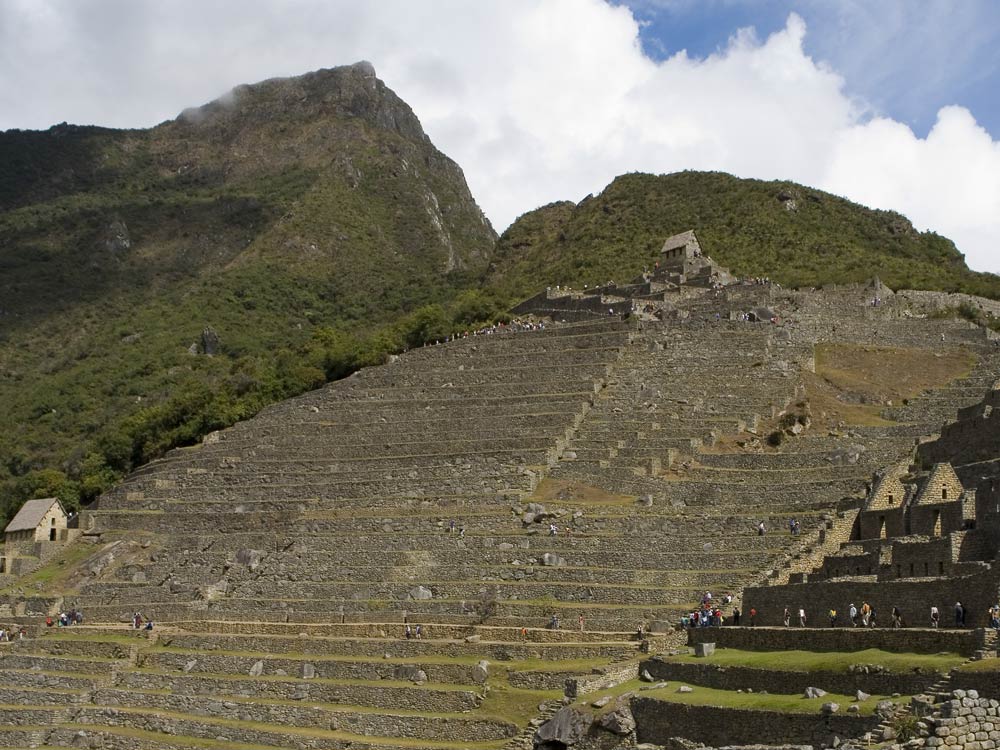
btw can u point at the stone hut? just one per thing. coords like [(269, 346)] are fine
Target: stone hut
[(883, 513), (682, 261), (39, 527)]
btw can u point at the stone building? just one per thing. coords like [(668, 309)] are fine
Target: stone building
[(920, 539), (39, 529)]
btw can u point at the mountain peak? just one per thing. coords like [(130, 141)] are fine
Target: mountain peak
[(347, 91)]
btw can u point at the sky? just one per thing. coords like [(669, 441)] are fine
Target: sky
[(892, 103)]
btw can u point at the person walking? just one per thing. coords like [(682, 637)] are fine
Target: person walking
[(802, 617), (959, 615), (935, 617), (852, 613), (897, 618), (866, 613), (753, 617), (786, 617)]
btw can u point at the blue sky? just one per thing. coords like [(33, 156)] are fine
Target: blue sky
[(906, 60)]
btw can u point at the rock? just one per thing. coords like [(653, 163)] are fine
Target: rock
[(567, 727), (419, 593), (553, 560), (645, 676), (619, 720), (601, 702), (473, 638), (210, 343), (646, 501), (888, 733), (257, 669), (481, 672), (419, 677), (685, 689), (308, 671), (861, 695), (704, 649), (190, 665), (138, 577), (853, 709), (569, 455), (251, 558), (814, 692), (829, 708)]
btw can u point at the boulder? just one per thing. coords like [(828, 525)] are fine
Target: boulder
[(646, 501), (861, 695), (553, 560), (565, 729), (257, 669), (601, 702), (685, 689), (476, 638), (829, 708), (704, 649), (308, 671), (481, 672), (619, 720), (251, 558), (645, 676), (814, 692), (419, 593)]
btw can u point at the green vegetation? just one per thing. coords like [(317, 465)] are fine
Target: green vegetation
[(748, 225), (311, 247)]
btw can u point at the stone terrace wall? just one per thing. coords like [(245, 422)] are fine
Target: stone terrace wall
[(929, 641), (657, 721), (914, 597)]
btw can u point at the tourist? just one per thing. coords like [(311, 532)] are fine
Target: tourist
[(524, 634), (581, 623), (897, 618), (408, 633), (753, 617), (149, 625), (866, 613), (995, 617), (935, 617), (786, 617), (802, 617), (736, 616), (554, 623), (872, 618), (761, 529), (451, 526), (852, 613), (833, 618), (959, 615), (136, 621), (553, 529), (640, 632)]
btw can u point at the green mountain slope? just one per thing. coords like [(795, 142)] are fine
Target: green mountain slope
[(796, 235), (292, 218)]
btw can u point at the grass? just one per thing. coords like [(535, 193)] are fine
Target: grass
[(816, 661), (51, 576), (703, 696), (981, 665), (853, 383)]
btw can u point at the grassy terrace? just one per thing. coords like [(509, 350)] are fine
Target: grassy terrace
[(816, 661), (703, 696)]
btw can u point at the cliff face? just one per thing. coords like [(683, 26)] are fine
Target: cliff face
[(280, 208)]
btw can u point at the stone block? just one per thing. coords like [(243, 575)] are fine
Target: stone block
[(704, 649)]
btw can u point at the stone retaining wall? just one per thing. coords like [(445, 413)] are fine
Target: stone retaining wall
[(925, 641), (657, 721)]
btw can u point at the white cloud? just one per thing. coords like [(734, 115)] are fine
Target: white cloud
[(538, 100)]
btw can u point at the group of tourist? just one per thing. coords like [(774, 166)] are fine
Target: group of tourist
[(414, 632), (65, 619), (137, 622), (12, 634), (709, 614)]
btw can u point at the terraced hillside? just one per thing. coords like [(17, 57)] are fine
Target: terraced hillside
[(605, 473)]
